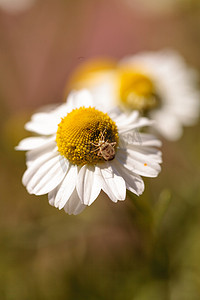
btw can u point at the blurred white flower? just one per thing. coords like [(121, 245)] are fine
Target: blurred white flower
[(174, 86), (81, 150), (14, 6), (158, 84)]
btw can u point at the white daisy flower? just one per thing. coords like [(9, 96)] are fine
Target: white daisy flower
[(81, 150), (158, 84)]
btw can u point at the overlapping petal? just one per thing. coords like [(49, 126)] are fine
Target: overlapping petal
[(61, 194), (113, 184), (45, 173), (46, 123), (31, 143), (88, 184), (137, 163), (133, 181), (74, 205)]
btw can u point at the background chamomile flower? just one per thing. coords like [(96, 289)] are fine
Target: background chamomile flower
[(81, 150), (158, 84), (167, 85)]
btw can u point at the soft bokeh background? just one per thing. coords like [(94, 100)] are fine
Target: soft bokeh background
[(144, 248)]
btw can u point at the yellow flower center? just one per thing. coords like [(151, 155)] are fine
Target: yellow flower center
[(87, 136), (137, 91)]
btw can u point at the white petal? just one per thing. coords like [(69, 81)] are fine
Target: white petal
[(61, 194), (125, 119), (137, 163), (168, 125), (44, 124), (88, 184), (38, 153), (130, 127), (36, 164), (80, 98), (146, 139), (147, 154), (52, 197), (32, 143), (103, 183), (138, 139), (42, 177), (114, 185), (47, 123), (74, 206), (134, 182)]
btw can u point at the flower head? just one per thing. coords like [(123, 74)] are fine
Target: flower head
[(158, 84), (82, 150)]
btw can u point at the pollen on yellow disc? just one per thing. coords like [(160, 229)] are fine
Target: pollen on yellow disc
[(137, 90), (79, 133)]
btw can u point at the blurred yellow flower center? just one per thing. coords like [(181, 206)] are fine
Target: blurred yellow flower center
[(137, 91), (81, 134)]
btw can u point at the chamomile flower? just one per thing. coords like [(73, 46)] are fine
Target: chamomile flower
[(158, 84), (80, 150)]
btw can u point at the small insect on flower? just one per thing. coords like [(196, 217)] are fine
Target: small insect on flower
[(104, 148)]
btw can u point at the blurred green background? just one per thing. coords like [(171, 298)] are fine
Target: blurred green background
[(144, 248)]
